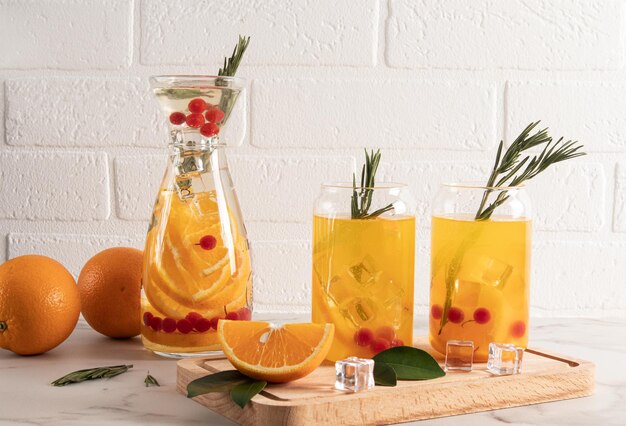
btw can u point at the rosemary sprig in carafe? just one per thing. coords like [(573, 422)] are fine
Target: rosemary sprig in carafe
[(362, 199), (229, 70), (226, 101), (231, 64), (509, 171)]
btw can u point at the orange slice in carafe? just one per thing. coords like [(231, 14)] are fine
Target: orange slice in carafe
[(185, 275)]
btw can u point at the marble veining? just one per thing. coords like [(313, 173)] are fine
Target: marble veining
[(27, 398)]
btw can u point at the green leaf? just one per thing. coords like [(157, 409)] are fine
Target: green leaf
[(242, 393), (410, 363), (384, 375), (223, 381)]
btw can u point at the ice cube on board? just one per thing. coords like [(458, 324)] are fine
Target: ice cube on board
[(354, 374), (504, 358), (459, 355)]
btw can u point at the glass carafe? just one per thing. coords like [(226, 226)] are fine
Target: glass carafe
[(363, 269), (196, 259), (480, 267)]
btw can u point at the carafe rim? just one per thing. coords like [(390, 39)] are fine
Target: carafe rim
[(185, 80)]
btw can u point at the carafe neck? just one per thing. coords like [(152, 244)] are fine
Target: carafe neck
[(196, 154)]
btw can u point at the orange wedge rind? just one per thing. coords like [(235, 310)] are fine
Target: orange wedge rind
[(277, 354)]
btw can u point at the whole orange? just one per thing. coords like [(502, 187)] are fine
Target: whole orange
[(110, 292), (39, 304)]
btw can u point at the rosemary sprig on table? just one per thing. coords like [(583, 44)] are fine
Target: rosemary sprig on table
[(91, 374), (231, 64), (150, 380), (362, 200), (509, 170)]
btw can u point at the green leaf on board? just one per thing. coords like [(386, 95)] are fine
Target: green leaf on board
[(242, 393), (384, 375), (410, 363), (223, 381), (240, 387)]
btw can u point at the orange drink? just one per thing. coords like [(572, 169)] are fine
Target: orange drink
[(189, 267), (363, 282), (482, 269)]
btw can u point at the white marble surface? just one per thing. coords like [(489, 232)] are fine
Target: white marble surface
[(27, 398)]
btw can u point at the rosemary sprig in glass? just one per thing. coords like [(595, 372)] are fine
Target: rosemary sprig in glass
[(91, 374), (509, 171), (362, 199)]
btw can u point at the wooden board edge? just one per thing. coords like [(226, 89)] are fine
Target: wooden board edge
[(195, 369), (571, 361), (220, 402), (575, 382), (405, 407)]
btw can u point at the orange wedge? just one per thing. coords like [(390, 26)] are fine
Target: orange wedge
[(273, 353)]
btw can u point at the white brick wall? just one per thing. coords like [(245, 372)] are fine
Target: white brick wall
[(306, 32), (75, 250), (391, 113), (283, 189), (68, 186), (579, 276), (67, 34), (619, 214), (435, 84), (590, 111), (81, 112), (137, 181), (535, 34), (282, 276)]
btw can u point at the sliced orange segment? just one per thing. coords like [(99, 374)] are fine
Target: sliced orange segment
[(226, 290), (180, 275), (167, 306), (273, 353)]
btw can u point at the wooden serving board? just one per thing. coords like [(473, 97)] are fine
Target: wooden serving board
[(313, 400)]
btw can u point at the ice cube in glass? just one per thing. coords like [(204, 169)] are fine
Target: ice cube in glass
[(364, 272), (387, 296), (504, 358), (459, 355), (487, 271), (354, 374), (360, 310), (340, 290)]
